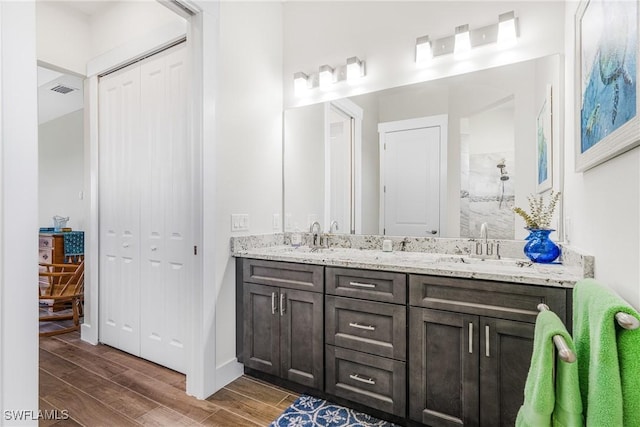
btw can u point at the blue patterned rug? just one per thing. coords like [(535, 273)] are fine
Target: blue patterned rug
[(309, 411)]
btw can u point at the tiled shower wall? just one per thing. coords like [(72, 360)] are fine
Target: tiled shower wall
[(481, 195)]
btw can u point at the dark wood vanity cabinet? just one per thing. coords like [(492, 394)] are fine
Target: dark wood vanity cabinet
[(470, 347), (438, 351), (283, 325)]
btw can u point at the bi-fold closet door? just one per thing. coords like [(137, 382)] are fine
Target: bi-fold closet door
[(145, 209)]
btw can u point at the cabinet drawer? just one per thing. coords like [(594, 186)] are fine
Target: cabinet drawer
[(306, 277), (45, 242), (45, 256), (502, 300), (373, 381), (373, 327), (367, 284)]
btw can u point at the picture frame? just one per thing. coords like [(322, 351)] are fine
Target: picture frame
[(544, 144), (607, 102)]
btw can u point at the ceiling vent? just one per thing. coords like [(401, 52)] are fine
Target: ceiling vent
[(63, 89)]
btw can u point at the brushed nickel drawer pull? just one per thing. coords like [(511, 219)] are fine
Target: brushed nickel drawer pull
[(470, 337), (283, 301), (273, 303), (362, 285), (362, 380), (365, 327), (486, 341)]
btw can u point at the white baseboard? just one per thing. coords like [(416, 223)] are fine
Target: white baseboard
[(228, 372), (88, 334)]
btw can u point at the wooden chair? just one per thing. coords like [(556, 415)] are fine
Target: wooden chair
[(64, 285)]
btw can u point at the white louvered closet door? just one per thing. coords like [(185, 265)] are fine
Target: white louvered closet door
[(159, 187)]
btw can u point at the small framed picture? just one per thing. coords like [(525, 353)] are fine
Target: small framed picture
[(606, 78), (544, 144)]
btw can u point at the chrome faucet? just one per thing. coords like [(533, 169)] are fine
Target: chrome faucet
[(483, 232), (333, 227), (315, 229), (483, 248)]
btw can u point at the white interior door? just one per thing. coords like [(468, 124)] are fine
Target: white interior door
[(412, 175), (145, 264), (120, 210), (165, 207), (340, 176)]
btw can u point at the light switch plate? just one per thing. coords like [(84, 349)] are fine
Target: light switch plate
[(239, 222)]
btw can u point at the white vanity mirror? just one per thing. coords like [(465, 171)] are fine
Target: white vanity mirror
[(430, 159)]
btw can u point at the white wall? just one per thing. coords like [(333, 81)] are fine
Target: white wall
[(304, 167), (249, 141), (603, 204), (126, 21), (18, 212), (384, 34), (61, 170), (63, 36)]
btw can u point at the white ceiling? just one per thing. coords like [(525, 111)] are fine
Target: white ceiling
[(51, 104), (87, 7)]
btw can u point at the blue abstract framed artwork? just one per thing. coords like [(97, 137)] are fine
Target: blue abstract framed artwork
[(544, 150), (607, 99)]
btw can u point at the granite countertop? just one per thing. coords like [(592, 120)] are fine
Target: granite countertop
[(451, 260)]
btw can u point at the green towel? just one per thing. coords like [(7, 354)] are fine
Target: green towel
[(608, 357), (546, 403)]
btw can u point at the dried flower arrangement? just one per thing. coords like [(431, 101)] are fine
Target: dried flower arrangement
[(540, 214)]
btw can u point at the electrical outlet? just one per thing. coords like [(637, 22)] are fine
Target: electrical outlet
[(239, 222)]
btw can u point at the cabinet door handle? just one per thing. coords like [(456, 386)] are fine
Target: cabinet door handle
[(273, 303), (365, 327), (486, 341), (470, 337), (362, 380), (283, 301), (362, 285)]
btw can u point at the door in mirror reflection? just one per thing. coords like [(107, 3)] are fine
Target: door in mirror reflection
[(410, 156), (341, 148)]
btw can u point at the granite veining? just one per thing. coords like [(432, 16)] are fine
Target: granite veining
[(433, 256)]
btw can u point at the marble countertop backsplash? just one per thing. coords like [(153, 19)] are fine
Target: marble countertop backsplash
[(436, 256)]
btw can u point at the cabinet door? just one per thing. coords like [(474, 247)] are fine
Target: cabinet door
[(505, 356), (443, 368), (301, 335), (261, 328)]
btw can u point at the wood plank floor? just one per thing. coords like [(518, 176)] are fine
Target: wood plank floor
[(102, 386)]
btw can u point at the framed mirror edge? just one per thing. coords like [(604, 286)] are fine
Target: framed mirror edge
[(558, 154)]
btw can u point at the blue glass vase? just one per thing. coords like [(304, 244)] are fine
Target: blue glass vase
[(539, 247)]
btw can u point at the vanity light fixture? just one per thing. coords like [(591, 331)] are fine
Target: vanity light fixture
[(326, 76), (462, 43), (300, 83), (507, 35), (424, 52), (355, 68)]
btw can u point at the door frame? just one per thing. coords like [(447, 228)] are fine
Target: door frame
[(356, 112), (201, 35), (441, 121)]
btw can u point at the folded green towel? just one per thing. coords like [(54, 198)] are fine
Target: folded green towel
[(608, 357), (546, 403)]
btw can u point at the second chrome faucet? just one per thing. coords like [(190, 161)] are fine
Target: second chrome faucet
[(483, 248)]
